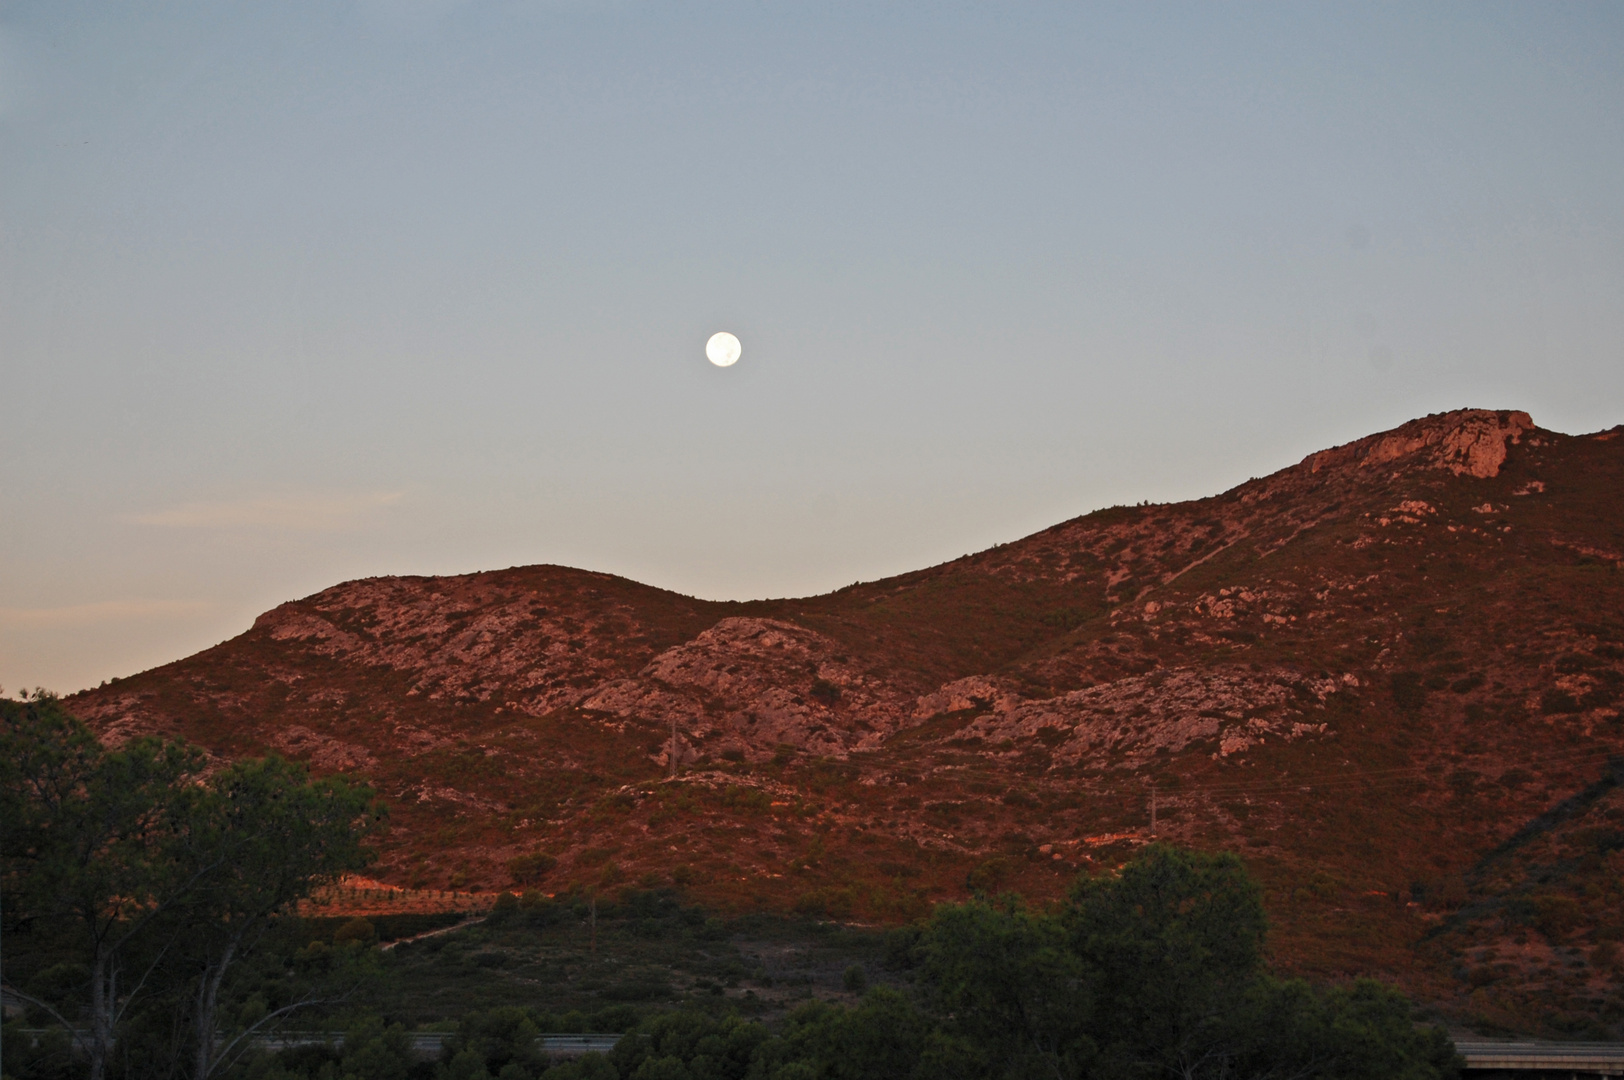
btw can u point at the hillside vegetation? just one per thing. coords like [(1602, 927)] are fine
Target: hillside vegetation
[(1387, 677)]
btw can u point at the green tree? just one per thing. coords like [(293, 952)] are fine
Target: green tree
[(882, 1037), (692, 1046), (1153, 972), (138, 880), (259, 837), (1173, 943), (88, 846), (375, 1051), (590, 1066), (1012, 987), (1371, 1032), (1365, 1031), (503, 1036)]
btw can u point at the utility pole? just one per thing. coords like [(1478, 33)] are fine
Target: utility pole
[(1153, 809), (673, 746)]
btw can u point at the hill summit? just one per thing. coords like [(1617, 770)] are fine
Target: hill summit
[(1389, 676)]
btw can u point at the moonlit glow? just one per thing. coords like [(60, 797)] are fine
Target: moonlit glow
[(723, 349)]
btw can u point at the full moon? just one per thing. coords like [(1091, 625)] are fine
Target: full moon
[(722, 349)]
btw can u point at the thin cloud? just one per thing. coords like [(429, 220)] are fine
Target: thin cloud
[(305, 513), (108, 611)]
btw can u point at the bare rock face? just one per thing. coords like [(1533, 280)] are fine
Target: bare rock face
[(1468, 442), (1128, 721), (749, 685), (384, 622), (973, 692), (465, 641), (118, 718)]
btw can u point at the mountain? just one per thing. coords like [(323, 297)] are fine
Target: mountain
[(1389, 676)]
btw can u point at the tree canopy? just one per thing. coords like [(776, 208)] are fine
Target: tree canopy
[(136, 874), (1152, 973)]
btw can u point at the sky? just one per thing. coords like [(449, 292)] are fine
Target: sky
[(293, 293)]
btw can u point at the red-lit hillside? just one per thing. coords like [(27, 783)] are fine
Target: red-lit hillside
[(1389, 676)]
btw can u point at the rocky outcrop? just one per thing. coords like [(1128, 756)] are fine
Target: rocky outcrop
[(1127, 721), (974, 692), (1467, 442), (751, 685), (463, 640)]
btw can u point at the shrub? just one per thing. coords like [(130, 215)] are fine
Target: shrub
[(375, 1052), (1408, 690), (637, 990), (831, 902), (1555, 702), (1156, 972), (1555, 916), (1515, 777), (825, 691), (990, 875), (530, 869), (357, 929), (901, 947)]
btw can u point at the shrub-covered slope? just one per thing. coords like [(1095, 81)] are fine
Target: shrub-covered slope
[(1389, 676)]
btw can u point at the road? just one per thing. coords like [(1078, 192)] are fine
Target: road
[(427, 1043), (1575, 1059)]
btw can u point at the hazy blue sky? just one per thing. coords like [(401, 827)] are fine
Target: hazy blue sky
[(297, 292)]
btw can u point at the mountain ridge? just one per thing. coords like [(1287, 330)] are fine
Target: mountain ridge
[(1364, 671)]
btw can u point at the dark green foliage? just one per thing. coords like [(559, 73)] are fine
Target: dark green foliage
[(885, 1035), (375, 1051), (494, 1039), (38, 1055), (1153, 973), (636, 990), (1361, 1031), (989, 875), (146, 890), (356, 929), (1012, 985), (902, 947), (1172, 941), (91, 860), (586, 1067), (689, 1045)]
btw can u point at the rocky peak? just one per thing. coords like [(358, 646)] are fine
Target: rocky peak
[(1467, 442)]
